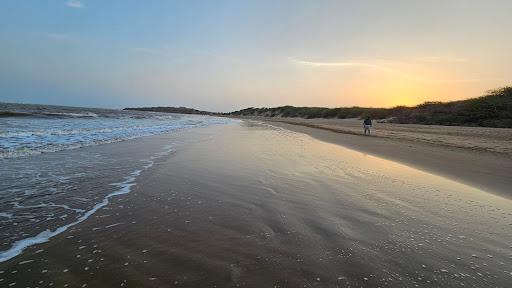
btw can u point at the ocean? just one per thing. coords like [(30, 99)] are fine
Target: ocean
[(59, 166)]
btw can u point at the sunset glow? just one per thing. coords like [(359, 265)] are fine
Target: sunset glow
[(228, 55)]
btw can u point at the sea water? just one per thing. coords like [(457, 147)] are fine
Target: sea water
[(48, 184)]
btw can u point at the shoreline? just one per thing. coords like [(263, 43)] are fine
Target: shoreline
[(272, 207), (123, 186), (481, 139), (480, 168)]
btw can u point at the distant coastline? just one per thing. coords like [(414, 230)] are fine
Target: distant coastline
[(178, 110), (491, 110)]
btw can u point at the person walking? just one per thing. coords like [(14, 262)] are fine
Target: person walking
[(367, 124)]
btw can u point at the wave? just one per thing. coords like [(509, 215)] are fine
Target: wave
[(33, 136), (48, 114), (13, 114), (16, 110), (71, 115), (124, 187)]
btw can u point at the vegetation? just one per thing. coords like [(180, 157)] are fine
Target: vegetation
[(491, 110), (314, 112), (12, 114), (179, 110)]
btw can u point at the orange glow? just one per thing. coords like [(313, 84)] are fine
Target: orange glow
[(388, 84)]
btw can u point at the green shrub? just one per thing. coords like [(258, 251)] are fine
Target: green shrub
[(491, 110)]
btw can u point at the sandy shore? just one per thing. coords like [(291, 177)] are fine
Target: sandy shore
[(255, 206), (478, 156), (497, 140)]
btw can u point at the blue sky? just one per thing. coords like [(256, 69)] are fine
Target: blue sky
[(226, 55)]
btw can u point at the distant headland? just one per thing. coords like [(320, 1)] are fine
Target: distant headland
[(491, 110), (178, 110)]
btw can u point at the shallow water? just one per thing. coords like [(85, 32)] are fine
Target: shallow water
[(35, 129), (47, 184)]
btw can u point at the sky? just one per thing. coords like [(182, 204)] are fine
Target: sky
[(229, 55)]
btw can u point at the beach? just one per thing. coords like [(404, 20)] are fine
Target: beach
[(256, 144), (477, 156), (482, 139), (252, 204)]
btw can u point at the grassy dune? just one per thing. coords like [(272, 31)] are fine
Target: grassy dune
[(491, 110)]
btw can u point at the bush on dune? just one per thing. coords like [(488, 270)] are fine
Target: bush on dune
[(491, 110)]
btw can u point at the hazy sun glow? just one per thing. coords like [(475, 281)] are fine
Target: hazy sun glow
[(228, 55)]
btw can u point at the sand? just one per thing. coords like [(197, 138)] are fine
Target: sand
[(477, 156), (256, 206), (497, 140)]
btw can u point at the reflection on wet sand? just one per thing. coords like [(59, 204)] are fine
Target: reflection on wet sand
[(253, 205)]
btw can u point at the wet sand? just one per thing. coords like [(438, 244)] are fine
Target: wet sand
[(481, 139), (256, 206), (477, 156)]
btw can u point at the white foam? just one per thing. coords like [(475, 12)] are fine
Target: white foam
[(6, 215), (113, 225), (85, 114), (124, 188), (16, 205), (37, 137)]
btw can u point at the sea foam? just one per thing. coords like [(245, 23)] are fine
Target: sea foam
[(23, 136), (124, 187)]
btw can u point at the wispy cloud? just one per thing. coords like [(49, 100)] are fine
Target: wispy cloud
[(151, 51), (58, 36), (332, 64), (74, 4), (400, 68)]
